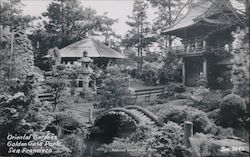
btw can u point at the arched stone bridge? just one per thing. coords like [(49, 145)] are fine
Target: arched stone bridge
[(121, 122), (136, 113)]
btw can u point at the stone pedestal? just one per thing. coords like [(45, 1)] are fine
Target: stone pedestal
[(188, 132)]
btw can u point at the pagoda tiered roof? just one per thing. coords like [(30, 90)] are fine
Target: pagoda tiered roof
[(208, 13)]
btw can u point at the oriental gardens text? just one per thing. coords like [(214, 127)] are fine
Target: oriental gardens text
[(32, 143)]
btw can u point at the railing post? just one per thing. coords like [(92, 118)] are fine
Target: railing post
[(90, 116), (188, 132)]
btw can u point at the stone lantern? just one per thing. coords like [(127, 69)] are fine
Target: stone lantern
[(85, 72)]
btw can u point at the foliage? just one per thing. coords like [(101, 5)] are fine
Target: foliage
[(204, 145), (179, 114), (56, 83), (202, 82), (126, 146), (179, 88), (201, 122), (139, 35), (23, 57), (173, 88), (167, 13), (205, 99), (240, 69), (115, 91), (21, 62), (214, 114), (4, 55), (168, 141), (67, 22), (171, 71), (148, 75), (151, 57), (71, 131), (232, 111), (208, 145), (11, 15), (22, 114)]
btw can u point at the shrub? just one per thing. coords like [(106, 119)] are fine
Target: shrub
[(208, 145), (173, 88), (171, 71), (168, 141), (148, 75), (133, 73), (114, 93), (200, 120), (203, 145), (206, 100), (179, 114), (232, 111), (76, 142), (226, 92), (179, 88), (213, 114)]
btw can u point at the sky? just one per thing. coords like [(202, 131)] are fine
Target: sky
[(117, 9)]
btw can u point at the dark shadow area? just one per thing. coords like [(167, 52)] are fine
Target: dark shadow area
[(105, 130)]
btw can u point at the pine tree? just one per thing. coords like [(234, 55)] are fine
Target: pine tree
[(168, 12), (139, 35)]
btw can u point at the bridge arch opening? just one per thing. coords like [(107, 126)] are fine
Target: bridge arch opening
[(112, 124)]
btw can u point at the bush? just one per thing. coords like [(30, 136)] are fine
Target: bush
[(226, 92), (168, 141), (232, 111), (114, 93), (200, 120), (179, 88), (208, 145), (173, 88), (206, 100), (171, 71), (133, 73), (179, 114), (76, 142), (148, 75), (214, 114)]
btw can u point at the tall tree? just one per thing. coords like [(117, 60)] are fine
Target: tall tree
[(139, 35), (11, 15), (111, 39), (73, 22), (168, 12), (67, 23)]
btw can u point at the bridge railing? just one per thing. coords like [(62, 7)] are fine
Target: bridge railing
[(147, 113)]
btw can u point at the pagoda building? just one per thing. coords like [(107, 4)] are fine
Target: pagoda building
[(206, 33)]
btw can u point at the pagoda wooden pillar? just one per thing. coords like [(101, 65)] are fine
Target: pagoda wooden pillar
[(196, 46), (204, 45), (205, 68)]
